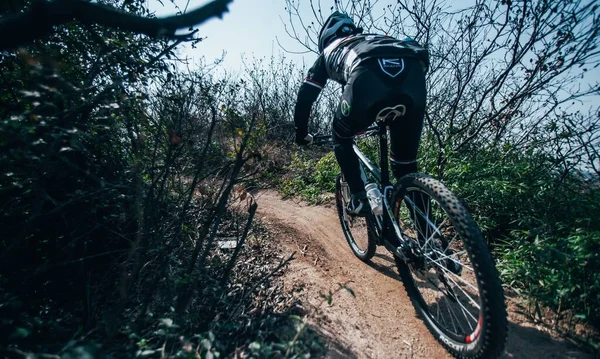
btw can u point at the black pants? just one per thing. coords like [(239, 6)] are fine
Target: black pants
[(372, 86)]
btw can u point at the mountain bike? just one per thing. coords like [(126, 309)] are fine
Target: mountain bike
[(441, 256)]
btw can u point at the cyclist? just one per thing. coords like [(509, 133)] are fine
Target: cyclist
[(376, 71)]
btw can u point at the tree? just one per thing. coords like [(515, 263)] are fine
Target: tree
[(509, 126), (103, 148), (500, 71)]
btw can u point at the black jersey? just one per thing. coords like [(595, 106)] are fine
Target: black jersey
[(341, 57)]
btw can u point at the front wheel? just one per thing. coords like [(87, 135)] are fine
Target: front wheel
[(359, 231), (450, 275)]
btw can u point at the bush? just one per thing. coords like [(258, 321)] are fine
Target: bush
[(113, 194), (309, 178), (559, 271), (541, 224)]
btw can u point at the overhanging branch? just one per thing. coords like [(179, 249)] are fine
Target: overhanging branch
[(43, 15)]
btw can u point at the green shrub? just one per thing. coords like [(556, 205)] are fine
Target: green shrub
[(559, 271), (326, 170), (309, 178), (542, 225)]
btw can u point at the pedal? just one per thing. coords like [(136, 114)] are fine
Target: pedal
[(400, 253)]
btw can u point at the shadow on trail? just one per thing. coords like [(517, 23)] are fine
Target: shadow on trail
[(529, 342), (385, 265), (385, 257), (335, 347)]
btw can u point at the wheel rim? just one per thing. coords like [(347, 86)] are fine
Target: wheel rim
[(355, 228), (444, 275)]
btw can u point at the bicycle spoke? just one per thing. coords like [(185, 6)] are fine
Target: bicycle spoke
[(446, 270), (454, 318), (356, 229), (416, 222), (436, 229), (445, 256), (428, 221), (459, 287), (426, 217), (473, 301), (438, 313), (465, 312), (437, 261), (452, 241), (455, 253), (451, 311), (439, 289), (453, 315), (429, 238), (446, 241)]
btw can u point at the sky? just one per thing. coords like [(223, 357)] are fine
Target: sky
[(250, 29), (247, 30)]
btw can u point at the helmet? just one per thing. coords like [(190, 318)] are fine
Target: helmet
[(334, 23)]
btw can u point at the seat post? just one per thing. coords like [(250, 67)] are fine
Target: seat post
[(384, 118)]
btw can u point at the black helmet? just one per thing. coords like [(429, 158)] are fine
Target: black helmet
[(332, 26)]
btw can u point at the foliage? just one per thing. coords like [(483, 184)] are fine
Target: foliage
[(309, 178), (225, 319), (543, 225), (558, 271), (311, 175), (71, 186), (499, 70), (120, 175)]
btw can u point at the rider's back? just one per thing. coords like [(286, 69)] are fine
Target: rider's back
[(343, 55)]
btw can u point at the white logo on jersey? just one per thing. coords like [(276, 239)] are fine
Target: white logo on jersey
[(391, 63), (392, 67)]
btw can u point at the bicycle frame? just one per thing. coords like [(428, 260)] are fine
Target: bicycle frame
[(425, 247), (385, 222)]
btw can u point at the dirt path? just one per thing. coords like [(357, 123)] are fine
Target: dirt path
[(379, 321)]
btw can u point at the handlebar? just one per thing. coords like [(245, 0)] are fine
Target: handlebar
[(320, 140)]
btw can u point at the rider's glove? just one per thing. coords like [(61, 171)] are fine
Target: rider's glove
[(303, 139)]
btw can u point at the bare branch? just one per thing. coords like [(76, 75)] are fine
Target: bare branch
[(43, 15)]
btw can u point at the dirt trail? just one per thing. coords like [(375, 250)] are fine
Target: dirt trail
[(379, 321)]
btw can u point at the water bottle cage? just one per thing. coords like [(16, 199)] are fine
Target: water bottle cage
[(375, 198)]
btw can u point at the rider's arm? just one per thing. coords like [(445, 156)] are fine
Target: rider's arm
[(308, 94)]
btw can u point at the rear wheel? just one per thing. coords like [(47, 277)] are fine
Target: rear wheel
[(359, 231), (450, 277)]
